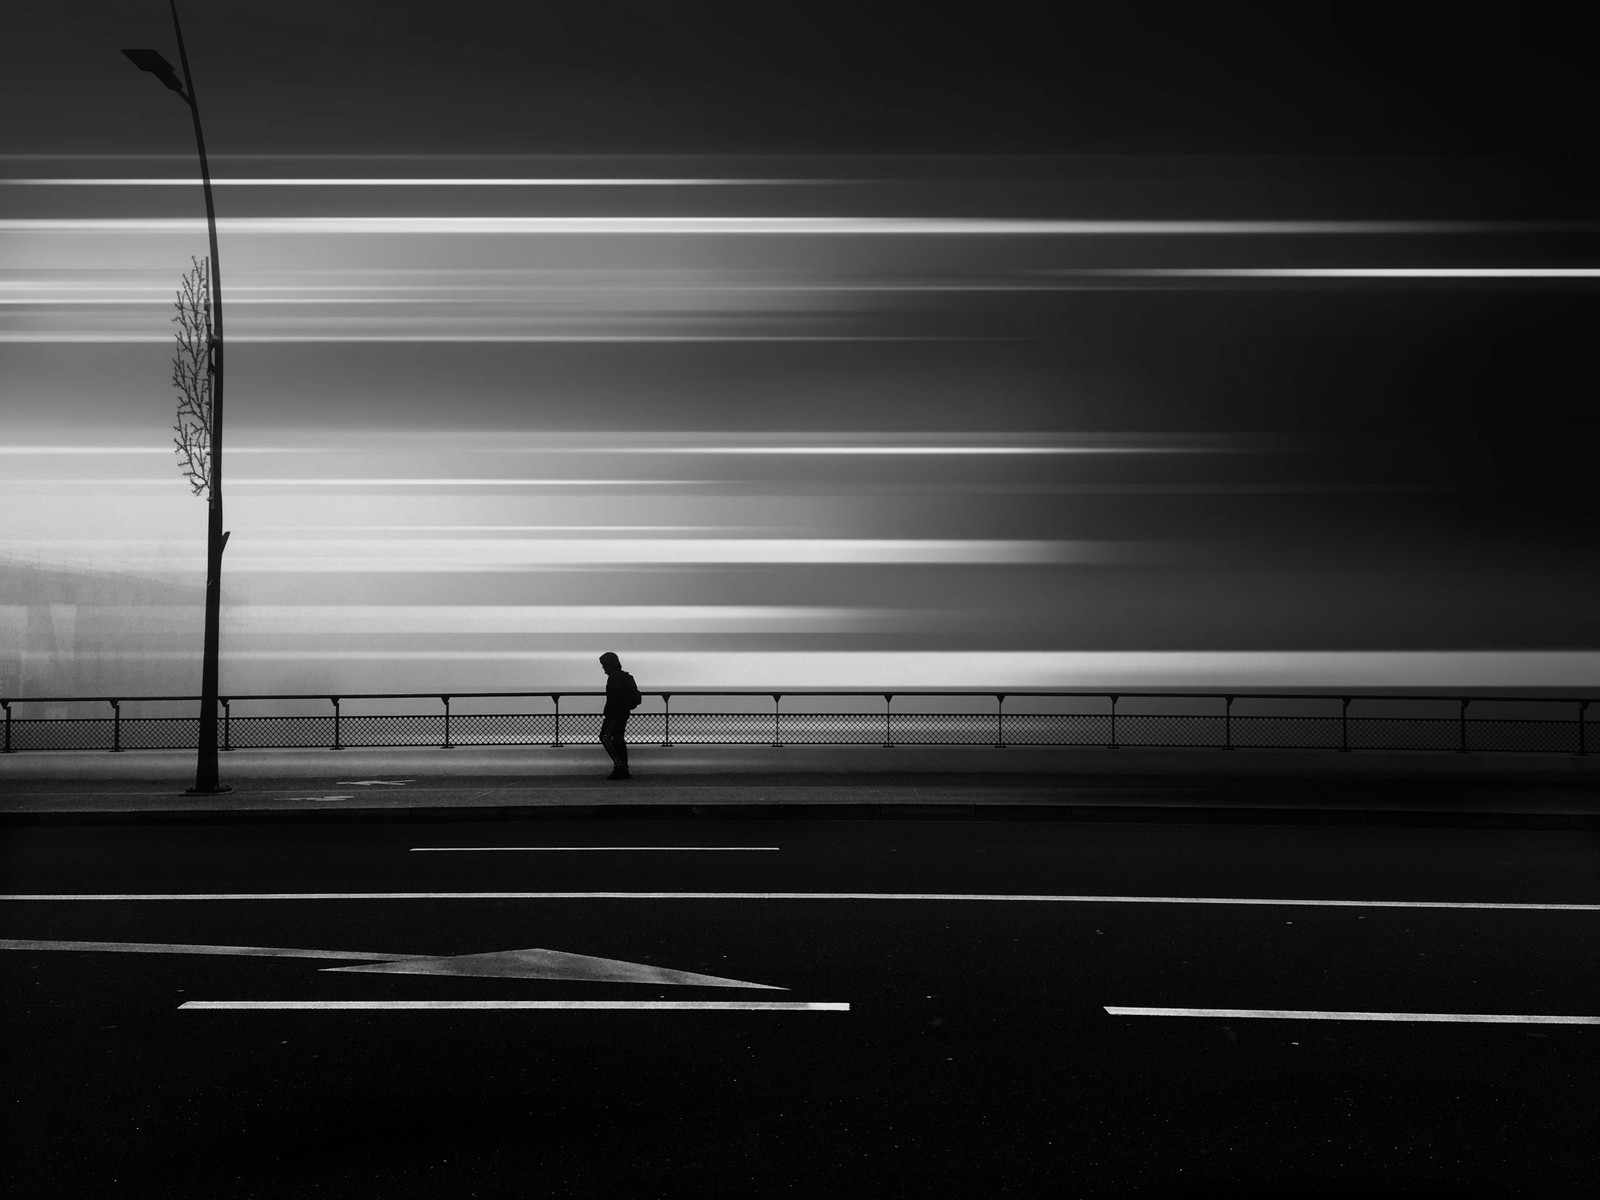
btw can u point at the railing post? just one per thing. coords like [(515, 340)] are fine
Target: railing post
[(888, 738), (116, 726), (1462, 748), (1583, 745), (1227, 723), (337, 745), (447, 743), (6, 704), (227, 723), (1114, 745), (1344, 724), (666, 732), (1000, 721), (558, 743), (777, 713)]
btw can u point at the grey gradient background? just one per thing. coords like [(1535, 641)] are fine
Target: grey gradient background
[(483, 432)]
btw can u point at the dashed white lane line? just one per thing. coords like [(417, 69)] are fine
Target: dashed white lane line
[(1294, 1014), (957, 896), (645, 1005), (537, 849)]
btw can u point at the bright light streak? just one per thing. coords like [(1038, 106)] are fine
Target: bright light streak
[(314, 530), (996, 670), (897, 450), (411, 482), (409, 181), (1338, 273), (764, 226), (108, 338), (397, 483), (423, 555), (531, 619)]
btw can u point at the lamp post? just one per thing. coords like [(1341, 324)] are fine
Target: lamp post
[(205, 775)]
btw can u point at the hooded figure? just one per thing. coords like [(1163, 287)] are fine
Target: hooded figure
[(622, 697)]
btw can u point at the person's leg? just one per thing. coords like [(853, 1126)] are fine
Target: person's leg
[(608, 737), (619, 743), (612, 736)]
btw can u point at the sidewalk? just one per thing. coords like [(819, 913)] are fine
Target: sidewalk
[(1086, 784)]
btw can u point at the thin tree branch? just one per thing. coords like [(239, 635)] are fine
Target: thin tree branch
[(191, 376)]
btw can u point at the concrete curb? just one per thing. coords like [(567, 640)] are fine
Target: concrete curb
[(1148, 786), (839, 811)]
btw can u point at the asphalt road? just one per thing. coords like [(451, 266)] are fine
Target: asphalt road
[(946, 1024)]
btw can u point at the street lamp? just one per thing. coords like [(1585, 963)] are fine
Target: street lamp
[(205, 775)]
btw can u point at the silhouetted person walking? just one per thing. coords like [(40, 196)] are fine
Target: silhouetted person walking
[(622, 697)]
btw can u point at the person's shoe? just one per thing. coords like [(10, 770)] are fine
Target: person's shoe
[(619, 775)]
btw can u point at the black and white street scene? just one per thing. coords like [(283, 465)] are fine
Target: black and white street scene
[(679, 600)]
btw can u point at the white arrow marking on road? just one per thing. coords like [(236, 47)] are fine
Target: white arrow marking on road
[(493, 964), (1293, 1014), (372, 782), (548, 964)]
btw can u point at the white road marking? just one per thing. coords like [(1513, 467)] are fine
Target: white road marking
[(172, 948), (538, 963), (1291, 1014), (481, 849), (535, 963), (973, 896), (658, 1005), (372, 782)]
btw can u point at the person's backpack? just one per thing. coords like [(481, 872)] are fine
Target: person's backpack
[(632, 696)]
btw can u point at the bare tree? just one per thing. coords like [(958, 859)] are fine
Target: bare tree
[(199, 423), (192, 375)]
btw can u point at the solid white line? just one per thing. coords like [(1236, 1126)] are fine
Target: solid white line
[(476, 849), (658, 1005), (1022, 898), (1291, 1014)]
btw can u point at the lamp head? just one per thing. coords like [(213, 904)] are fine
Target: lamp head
[(152, 61)]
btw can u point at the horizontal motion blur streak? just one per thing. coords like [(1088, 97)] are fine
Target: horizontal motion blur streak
[(413, 181), (765, 226)]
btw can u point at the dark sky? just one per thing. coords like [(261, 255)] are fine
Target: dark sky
[(869, 78)]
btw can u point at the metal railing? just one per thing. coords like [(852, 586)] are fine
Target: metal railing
[(1273, 720)]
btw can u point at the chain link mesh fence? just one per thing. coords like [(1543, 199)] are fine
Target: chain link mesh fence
[(1057, 729), (832, 729), (279, 733), (369, 730), (503, 729), (1404, 733), (1525, 736), (1287, 733), (62, 733), (1124, 729), (163, 733)]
